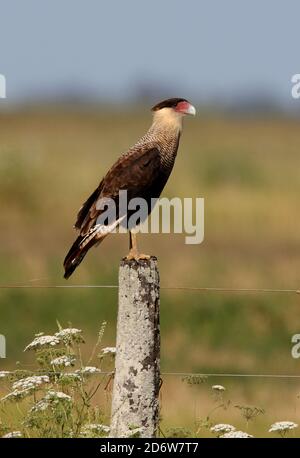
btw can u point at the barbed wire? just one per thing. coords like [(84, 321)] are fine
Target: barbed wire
[(56, 286), (181, 288), (178, 288), (193, 374), (232, 290), (174, 288), (199, 375)]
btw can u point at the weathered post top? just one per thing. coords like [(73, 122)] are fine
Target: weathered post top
[(137, 367)]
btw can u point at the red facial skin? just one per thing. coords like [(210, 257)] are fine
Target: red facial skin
[(182, 107)]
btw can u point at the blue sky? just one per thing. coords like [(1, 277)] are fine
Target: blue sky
[(197, 49)]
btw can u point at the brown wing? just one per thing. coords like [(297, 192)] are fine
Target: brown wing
[(139, 173), (84, 210)]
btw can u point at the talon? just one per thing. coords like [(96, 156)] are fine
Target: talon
[(136, 256), (130, 257), (133, 252), (143, 256)]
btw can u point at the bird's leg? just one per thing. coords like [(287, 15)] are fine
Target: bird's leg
[(133, 249)]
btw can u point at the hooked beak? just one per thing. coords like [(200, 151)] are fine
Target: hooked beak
[(186, 108), (191, 110)]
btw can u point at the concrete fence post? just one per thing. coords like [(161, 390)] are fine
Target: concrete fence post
[(137, 366)]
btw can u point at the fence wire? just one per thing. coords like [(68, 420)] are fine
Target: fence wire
[(179, 288), (195, 375), (170, 288)]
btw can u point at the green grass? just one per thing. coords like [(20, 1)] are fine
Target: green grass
[(248, 172)]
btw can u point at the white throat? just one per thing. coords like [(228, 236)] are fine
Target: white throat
[(167, 118)]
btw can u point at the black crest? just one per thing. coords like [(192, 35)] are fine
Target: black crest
[(168, 103)]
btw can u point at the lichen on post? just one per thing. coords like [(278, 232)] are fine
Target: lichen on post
[(135, 407)]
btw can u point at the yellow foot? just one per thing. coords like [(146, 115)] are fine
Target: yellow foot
[(143, 256), (136, 256)]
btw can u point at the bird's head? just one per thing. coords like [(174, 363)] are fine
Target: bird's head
[(171, 111)]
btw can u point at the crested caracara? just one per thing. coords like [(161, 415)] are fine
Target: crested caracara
[(142, 171)]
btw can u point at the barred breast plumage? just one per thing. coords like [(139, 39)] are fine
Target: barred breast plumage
[(142, 171)]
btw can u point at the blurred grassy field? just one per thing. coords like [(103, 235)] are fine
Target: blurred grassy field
[(247, 170)]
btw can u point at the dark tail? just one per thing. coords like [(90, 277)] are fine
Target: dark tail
[(77, 252)]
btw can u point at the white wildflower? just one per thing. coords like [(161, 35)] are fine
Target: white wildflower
[(12, 435), (51, 399), (88, 370), (25, 386), (40, 406), (218, 388), (222, 428), (69, 377), (16, 395), (236, 435), (4, 374), (42, 341), (94, 428), (57, 396), (63, 361), (30, 383), (282, 427), (109, 350), (69, 333)]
